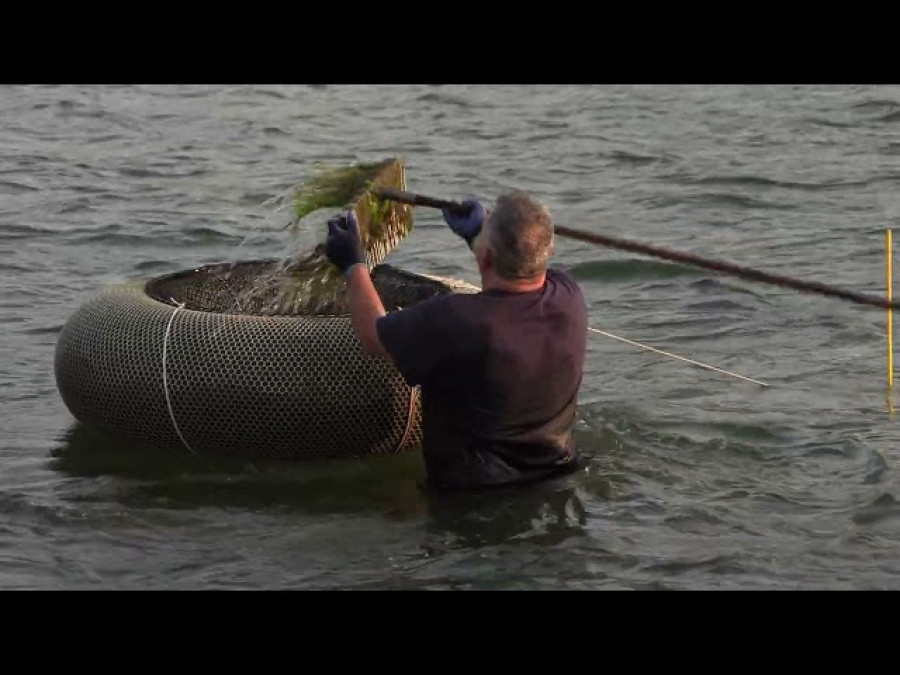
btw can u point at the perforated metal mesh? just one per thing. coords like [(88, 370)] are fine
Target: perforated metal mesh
[(288, 387), (277, 287)]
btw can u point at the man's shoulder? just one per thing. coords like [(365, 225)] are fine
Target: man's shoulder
[(564, 278), (440, 309), (561, 274), (449, 303), (456, 309)]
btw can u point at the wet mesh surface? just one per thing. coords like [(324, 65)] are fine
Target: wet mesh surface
[(279, 288), (252, 384)]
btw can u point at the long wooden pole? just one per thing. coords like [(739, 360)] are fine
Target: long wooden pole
[(668, 254)]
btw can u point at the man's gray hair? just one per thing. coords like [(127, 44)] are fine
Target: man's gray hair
[(520, 235)]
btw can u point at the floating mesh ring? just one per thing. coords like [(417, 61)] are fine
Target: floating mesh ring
[(238, 384)]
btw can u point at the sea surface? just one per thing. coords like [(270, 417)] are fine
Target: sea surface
[(694, 479)]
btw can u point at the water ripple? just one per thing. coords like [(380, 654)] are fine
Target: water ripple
[(692, 480)]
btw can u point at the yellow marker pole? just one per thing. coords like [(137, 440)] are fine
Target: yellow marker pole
[(890, 325)]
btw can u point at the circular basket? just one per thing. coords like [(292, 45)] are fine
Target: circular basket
[(185, 360)]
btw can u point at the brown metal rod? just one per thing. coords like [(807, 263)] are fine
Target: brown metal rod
[(726, 268), (420, 200), (668, 254)]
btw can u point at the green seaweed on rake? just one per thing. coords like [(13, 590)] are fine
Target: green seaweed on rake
[(333, 187), (382, 222), (312, 282), (378, 207)]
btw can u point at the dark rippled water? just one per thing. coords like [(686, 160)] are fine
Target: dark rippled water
[(695, 480)]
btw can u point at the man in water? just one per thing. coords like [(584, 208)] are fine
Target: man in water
[(500, 370)]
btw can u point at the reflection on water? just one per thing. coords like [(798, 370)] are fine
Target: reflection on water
[(390, 488), (154, 477)]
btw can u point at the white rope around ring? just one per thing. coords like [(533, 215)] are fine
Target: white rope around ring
[(675, 356), (166, 382)]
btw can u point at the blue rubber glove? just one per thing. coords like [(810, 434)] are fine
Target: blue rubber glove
[(343, 245), (467, 226)]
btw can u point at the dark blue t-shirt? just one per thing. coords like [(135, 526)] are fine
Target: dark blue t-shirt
[(500, 374)]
